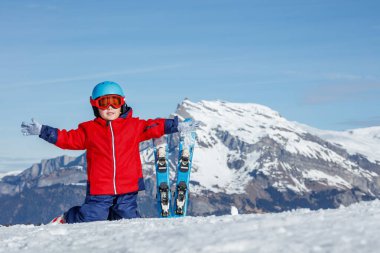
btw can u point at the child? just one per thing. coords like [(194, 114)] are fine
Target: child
[(112, 140)]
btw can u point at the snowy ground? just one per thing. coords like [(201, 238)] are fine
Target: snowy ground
[(352, 229)]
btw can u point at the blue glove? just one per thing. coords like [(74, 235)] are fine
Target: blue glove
[(188, 126), (33, 128)]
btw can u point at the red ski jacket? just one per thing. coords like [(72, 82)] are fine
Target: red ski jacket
[(113, 157)]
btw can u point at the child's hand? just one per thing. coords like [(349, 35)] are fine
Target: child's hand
[(188, 126), (33, 128)]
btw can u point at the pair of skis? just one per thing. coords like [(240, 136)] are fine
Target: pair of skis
[(181, 195)]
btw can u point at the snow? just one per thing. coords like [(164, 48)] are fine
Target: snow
[(215, 174), (365, 141), (316, 175), (247, 121), (347, 229), (234, 211)]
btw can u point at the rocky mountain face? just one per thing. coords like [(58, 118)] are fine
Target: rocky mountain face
[(251, 157), (247, 156), (42, 191)]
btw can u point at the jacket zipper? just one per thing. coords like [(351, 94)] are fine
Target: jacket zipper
[(114, 158)]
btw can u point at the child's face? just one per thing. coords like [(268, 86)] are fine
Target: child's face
[(110, 113)]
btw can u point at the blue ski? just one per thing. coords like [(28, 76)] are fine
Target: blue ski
[(185, 157), (162, 177)]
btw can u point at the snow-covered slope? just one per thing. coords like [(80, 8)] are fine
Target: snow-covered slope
[(351, 229), (365, 141)]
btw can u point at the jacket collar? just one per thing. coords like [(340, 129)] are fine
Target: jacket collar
[(127, 114)]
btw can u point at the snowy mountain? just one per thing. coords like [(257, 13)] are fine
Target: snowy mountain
[(247, 138), (62, 170), (350, 229), (250, 156), (364, 141), (247, 156)]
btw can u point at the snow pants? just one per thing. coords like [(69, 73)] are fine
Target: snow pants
[(104, 207)]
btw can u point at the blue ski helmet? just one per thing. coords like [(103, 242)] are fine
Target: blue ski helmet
[(107, 88)]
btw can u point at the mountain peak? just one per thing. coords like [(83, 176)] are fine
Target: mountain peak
[(227, 108), (247, 121)]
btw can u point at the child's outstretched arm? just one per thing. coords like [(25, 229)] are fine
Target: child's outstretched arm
[(155, 128), (159, 127), (73, 139)]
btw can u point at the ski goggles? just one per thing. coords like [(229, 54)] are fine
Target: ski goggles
[(104, 102)]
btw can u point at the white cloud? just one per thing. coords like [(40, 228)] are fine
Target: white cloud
[(92, 76), (35, 5), (11, 163), (332, 76), (368, 122), (340, 92)]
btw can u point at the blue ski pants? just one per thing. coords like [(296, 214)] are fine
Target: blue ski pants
[(104, 207)]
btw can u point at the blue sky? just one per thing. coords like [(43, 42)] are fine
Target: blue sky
[(316, 62)]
